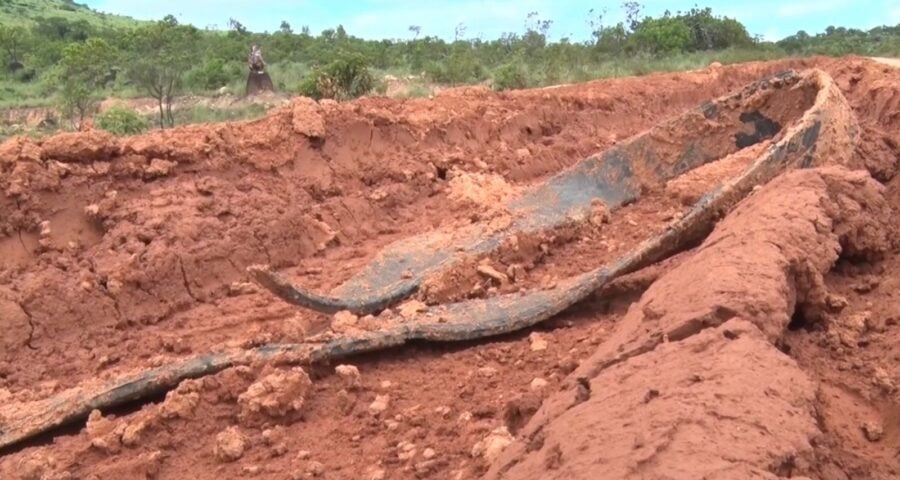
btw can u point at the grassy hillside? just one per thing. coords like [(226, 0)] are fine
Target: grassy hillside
[(23, 12)]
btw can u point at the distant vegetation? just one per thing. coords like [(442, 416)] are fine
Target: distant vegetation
[(57, 52)]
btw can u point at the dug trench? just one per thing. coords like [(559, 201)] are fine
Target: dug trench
[(284, 192)]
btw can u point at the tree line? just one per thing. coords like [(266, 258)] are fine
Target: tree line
[(79, 62)]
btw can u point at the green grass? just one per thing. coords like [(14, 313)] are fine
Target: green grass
[(639, 65), (417, 90), (23, 12), (15, 94), (205, 114)]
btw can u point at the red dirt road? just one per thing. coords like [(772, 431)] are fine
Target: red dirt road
[(121, 254)]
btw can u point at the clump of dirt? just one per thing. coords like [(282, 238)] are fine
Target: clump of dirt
[(143, 262), (274, 396), (486, 194)]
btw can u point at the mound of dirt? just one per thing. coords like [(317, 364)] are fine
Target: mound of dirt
[(712, 321), (121, 254)]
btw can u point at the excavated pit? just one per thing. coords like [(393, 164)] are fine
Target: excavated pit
[(155, 272)]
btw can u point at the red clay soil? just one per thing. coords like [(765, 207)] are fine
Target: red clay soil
[(121, 254)]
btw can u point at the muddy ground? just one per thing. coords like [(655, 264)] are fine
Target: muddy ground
[(122, 254)]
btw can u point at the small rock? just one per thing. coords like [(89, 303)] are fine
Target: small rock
[(303, 455), (516, 272), (443, 411), (392, 424), (523, 154), (409, 309), (836, 303), (407, 450), (92, 210), (857, 322), (45, 228), (873, 431), (487, 372), (428, 453), (489, 272), (379, 405), (538, 344), (493, 445), (883, 379), (386, 385), (377, 474), (159, 168), (230, 445), (251, 470), (315, 469), (275, 395), (538, 384), (350, 375), (715, 65), (582, 389), (241, 288), (464, 417)]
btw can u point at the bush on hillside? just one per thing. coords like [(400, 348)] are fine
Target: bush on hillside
[(210, 76), (509, 77), (122, 121), (346, 78)]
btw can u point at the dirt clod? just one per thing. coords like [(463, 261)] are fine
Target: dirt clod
[(493, 445), (379, 405), (874, 431), (230, 445), (275, 395), (538, 343), (350, 375)]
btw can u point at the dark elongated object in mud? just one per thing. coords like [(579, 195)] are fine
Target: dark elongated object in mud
[(614, 178), (825, 131)]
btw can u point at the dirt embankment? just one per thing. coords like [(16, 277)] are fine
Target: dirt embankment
[(119, 254), (694, 366)]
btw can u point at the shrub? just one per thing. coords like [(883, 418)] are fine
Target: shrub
[(350, 77), (662, 35), (510, 76), (461, 67), (211, 75), (309, 87), (343, 79), (122, 121)]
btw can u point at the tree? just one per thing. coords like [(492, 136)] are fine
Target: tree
[(415, 30), (460, 32), (12, 42), (163, 52), (82, 73), (632, 14), (285, 28), (237, 27)]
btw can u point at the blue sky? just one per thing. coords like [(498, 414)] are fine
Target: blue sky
[(377, 19)]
